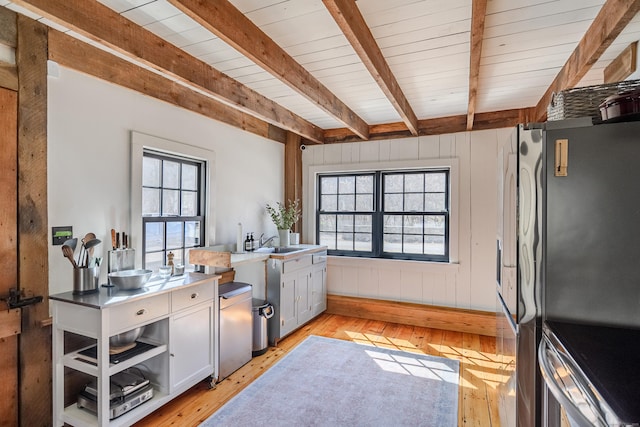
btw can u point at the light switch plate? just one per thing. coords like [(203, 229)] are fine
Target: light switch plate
[(59, 235)]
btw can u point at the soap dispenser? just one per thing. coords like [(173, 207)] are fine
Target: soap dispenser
[(247, 244)]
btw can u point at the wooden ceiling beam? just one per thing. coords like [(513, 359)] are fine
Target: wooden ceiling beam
[(80, 56), (479, 11), (352, 23), (436, 126), (608, 24), (103, 25), (225, 21)]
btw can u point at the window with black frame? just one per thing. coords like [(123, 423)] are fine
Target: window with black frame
[(385, 214), (172, 208)]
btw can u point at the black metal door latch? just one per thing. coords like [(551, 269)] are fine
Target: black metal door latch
[(16, 300)]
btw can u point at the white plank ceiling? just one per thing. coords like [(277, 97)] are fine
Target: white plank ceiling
[(426, 44)]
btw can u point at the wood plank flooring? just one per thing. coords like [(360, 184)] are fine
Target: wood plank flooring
[(477, 404)]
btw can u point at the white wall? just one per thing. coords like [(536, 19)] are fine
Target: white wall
[(469, 281), (89, 126)]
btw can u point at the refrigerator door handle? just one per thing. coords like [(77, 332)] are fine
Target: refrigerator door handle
[(561, 379)]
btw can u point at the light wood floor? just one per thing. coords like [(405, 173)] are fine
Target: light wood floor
[(477, 355)]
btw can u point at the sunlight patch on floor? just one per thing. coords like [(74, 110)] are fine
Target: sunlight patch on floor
[(383, 342)]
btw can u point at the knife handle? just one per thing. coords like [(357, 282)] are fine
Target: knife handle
[(113, 239)]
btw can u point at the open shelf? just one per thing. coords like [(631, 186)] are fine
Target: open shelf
[(83, 361), (78, 416)]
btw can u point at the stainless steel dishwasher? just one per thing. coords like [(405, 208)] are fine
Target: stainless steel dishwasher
[(236, 327)]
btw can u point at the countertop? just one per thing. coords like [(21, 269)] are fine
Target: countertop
[(240, 258), (110, 296)]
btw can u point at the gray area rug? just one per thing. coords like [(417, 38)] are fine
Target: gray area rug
[(330, 382)]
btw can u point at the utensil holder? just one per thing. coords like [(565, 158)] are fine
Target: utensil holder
[(85, 280)]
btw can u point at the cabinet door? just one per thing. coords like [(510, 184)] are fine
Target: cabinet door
[(318, 289), (303, 296), (288, 313), (191, 346)]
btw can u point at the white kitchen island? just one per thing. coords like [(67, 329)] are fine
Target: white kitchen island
[(180, 339)]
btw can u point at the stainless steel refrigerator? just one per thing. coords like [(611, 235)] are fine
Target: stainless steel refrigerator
[(568, 257)]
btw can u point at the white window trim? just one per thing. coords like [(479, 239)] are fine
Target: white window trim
[(140, 142), (311, 196)]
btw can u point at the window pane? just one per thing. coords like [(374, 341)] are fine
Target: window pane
[(345, 223), (327, 223), (347, 184), (413, 202), (392, 243), (170, 174), (170, 202), (174, 234), (362, 242), (187, 265), (412, 244), (392, 183), (192, 233), (436, 182), (435, 225), (414, 183), (328, 240), (413, 224), (435, 245), (363, 223), (346, 203), (150, 172), (150, 202), (364, 202), (434, 202), (189, 177), (364, 184), (189, 203), (329, 185), (329, 203), (393, 202), (345, 241), (154, 234), (392, 224), (154, 260)]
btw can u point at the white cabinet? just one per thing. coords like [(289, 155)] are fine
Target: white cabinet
[(191, 347), (319, 284), (179, 342), (290, 289)]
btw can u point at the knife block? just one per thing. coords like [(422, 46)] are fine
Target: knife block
[(121, 259)]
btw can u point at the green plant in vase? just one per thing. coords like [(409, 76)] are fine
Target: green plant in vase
[(284, 217)]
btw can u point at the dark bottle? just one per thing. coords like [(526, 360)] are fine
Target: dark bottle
[(247, 244), (252, 244)]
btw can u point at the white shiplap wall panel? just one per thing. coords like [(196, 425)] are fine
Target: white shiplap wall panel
[(411, 286), (468, 283)]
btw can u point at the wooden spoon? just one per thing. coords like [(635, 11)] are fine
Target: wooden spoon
[(68, 253)]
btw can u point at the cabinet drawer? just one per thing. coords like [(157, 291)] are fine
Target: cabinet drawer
[(319, 257), (188, 297), (296, 263), (127, 316)]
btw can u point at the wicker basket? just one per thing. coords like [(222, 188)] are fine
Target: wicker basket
[(584, 101)]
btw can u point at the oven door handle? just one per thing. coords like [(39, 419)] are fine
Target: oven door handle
[(550, 359)]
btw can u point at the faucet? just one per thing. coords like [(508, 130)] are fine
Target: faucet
[(263, 242)]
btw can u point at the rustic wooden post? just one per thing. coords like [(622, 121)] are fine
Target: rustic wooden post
[(33, 267), (293, 172)]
